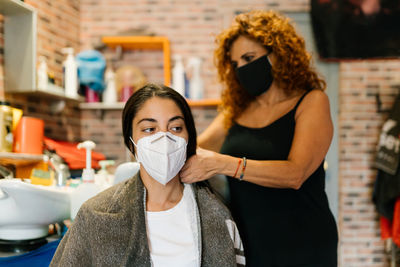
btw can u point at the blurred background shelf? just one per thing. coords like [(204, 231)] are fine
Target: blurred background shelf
[(204, 103), (22, 164), (120, 105), (144, 42), (19, 159), (53, 92)]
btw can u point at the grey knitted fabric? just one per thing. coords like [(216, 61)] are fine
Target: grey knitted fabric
[(110, 230)]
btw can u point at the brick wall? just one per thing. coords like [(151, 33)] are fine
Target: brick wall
[(359, 126)]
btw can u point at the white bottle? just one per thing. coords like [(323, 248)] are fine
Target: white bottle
[(196, 86), (70, 73), (87, 188), (102, 177), (110, 93), (178, 75), (42, 78)]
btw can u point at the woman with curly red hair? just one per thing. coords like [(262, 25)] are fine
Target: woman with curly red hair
[(270, 139)]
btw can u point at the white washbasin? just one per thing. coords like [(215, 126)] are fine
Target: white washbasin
[(26, 210)]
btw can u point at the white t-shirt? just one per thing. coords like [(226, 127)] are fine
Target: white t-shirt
[(172, 234)]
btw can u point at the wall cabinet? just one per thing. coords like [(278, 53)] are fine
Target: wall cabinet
[(20, 32), (19, 45)]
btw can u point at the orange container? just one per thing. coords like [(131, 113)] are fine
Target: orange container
[(28, 136)]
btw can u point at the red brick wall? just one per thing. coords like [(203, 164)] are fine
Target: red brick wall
[(105, 129), (359, 126)]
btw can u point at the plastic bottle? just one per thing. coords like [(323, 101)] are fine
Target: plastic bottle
[(102, 178), (196, 86), (6, 127), (87, 188), (110, 94), (178, 75), (42, 78), (70, 71)]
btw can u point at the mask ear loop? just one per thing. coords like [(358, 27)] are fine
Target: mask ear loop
[(130, 137), (134, 145)]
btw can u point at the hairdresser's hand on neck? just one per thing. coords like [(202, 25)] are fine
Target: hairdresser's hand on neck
[(161, 197)]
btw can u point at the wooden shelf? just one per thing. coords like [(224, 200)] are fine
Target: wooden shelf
[(120, 105), (23, 163), (19, 159), (52, 92), (204, 103), (144, 42), (136, 42)]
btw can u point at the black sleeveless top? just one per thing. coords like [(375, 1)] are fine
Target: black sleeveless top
[(280, 227)]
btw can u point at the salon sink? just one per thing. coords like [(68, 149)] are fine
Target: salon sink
[(27, 210)]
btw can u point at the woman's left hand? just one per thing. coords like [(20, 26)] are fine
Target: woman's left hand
[(199, 167)]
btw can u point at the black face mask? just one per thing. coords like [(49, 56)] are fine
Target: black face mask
[(256, 76)]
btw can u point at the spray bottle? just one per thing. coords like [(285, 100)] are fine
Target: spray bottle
[(110, 94), (70, 73), (87, 188), (42, 78)]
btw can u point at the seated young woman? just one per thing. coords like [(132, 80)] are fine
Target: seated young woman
[(153, 219)]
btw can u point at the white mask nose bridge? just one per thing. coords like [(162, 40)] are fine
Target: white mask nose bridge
[(162, 136), (165, 135)]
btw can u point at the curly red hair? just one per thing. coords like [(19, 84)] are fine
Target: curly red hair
[(292, 70)]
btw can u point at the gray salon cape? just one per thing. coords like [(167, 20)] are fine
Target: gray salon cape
[(110, 230)]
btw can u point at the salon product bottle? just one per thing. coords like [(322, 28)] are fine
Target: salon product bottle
[(42, 78), (6, 127), (87, 188), (110, 93), (102, 177), (178, 75), (70, 73), (195, 82)]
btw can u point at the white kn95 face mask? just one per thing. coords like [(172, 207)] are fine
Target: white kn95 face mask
[(162, 155)]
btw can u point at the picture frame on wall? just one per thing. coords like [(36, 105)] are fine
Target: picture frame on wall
[(352, 29)]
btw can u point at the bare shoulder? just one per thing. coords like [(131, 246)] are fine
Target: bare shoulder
[(315, 100), (318, 96)]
